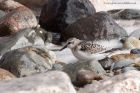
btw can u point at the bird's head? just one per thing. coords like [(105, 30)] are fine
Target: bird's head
[(71, 43)]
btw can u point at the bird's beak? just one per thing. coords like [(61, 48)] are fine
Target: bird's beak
[(65, 46)]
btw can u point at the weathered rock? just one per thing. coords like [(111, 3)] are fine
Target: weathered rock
[(50, 82), (6, 75), (119, 60), (9, 5), (27, 37), (35, 5), (18, 17), (129, 68), (72, 68), (84, 77), (27, 61), (57, 14), (2, 13), (125, 83), (135, 51), (98, 26), (125, 14), (122, 64)]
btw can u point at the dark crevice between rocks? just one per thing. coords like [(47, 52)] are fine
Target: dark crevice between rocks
[(54, 19), (62, 10)]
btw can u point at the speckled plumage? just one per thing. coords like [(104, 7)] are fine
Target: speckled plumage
[(91, 50)]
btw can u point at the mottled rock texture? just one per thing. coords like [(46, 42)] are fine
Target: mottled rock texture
[(17, 17), (27, 61), (98, 26), (56, 15)]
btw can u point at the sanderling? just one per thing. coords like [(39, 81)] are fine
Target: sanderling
[(92, 50)]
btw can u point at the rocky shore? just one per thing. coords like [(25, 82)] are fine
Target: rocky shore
[(33, 32)]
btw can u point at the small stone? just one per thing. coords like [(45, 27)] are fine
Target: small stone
[(126, 69), (93, 66), (135, 51), (84, 77), (122, 64)]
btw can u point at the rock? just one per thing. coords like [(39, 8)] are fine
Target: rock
[(125, 14), (128, 82), (135, 51), (84, 77), (122, 64), (72, 68), (9, 5), (2, 13), (106, 63), (6, 75), (50, 82), (57, 14), (126, 69), (45, 35), (136, 34), (127, 18), (98, 26), (23, 38), (118, 60), (19, 17), (27, 61), (35, 5), (132, 43)]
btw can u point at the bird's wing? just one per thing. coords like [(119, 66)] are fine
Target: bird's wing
[(91, 47)]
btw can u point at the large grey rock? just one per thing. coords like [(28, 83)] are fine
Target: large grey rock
[(27, 37), (50, 82), (57, 14), (98, 26), (27, 61), (128, 82)]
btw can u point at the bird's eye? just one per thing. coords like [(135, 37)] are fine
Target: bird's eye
[(69, 42)]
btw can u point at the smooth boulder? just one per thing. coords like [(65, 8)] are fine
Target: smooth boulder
[(27, 61), (49, 82), (56, 15), (18, 17), (99, 26)]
